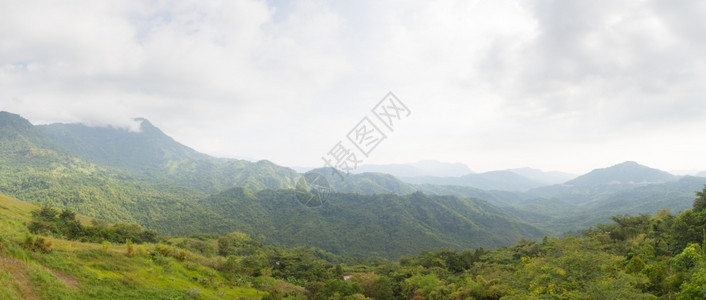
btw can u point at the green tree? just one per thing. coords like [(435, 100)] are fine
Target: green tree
[(635, 265), (700, 201), (223, 246)]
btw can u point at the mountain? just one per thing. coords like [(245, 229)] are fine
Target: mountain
[(19, 139), (364, 183), (543, 177), (622, 176), (626, 188), (382, 225), (575, 208), (628, 172), (149, 148), (420, 168), (493, 180), (151, 153), (701, 174)]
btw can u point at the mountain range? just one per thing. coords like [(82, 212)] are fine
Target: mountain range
[(149, 178)]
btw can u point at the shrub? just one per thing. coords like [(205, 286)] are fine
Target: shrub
[(105, 246), (130, 248), (37, 244)]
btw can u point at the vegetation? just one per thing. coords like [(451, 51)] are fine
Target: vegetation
[(48, 221), (657, 256), (239, 223)]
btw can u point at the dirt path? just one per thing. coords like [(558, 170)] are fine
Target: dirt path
[(19, 272)]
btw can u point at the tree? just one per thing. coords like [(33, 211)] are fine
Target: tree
[(635, 265), (700, 201), (223, 246), (67, 215)]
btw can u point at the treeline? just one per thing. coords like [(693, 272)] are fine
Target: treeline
[(63, 224)]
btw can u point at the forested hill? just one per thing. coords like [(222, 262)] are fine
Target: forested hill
[(383, 225), (151, 153), (144, 149)]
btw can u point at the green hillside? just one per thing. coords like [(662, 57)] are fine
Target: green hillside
[(63, 269), (383, 225), (657, 256)]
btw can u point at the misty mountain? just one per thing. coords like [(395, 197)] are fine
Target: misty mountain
[(117, 147), (576, 208), (539, 176), (493, 180), (622, 176), (149, 152), (420, 168), (628, 172)]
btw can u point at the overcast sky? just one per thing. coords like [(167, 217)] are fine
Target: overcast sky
[(554, 85)]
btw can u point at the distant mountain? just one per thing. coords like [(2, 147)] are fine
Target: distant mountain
[(543, 177), (365, 183), (622, 176), (575, 208), (493, 180), (628, 172), (420, 168), (701, 174)]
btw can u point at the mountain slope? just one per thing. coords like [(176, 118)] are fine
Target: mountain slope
[(158, 157), (148, 148), (384, 225)]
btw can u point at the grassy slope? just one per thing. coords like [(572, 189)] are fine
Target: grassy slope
[(75, 270)]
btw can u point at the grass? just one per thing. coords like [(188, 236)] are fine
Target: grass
[(76, 270)]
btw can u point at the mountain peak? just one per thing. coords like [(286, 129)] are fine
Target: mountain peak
[(10, 120), (628, 172), (629, 163), (146, 126), (148, 147)]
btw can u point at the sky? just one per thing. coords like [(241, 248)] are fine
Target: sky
[(554, 85)]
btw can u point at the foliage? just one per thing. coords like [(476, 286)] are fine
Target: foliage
[(45, 221)]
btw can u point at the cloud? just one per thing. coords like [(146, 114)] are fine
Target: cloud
[(285, 80)]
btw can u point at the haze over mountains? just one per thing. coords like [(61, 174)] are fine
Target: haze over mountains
[(420, 168), (149, 178)]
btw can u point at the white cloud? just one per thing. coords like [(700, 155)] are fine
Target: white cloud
[(493, 84)]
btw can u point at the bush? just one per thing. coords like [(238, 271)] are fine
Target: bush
[(105, 246), (37, 244), (130, 248), (181, 255)]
